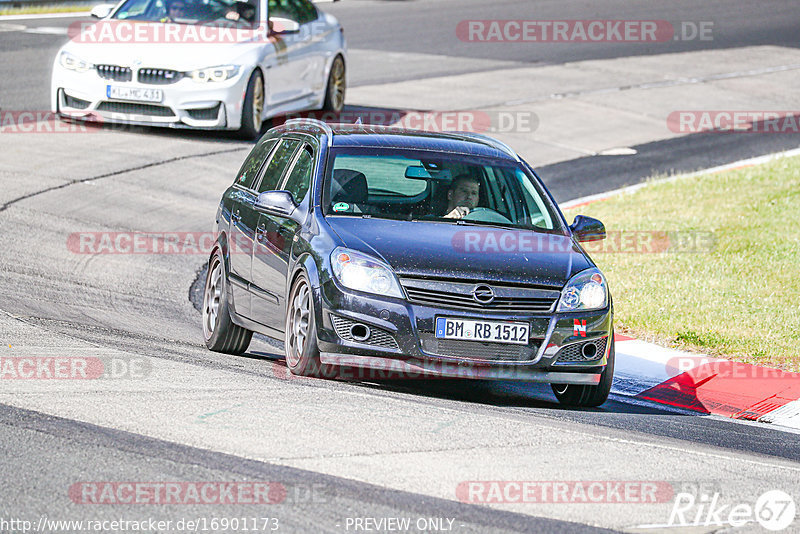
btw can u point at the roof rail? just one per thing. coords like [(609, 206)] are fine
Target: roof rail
[(491, 141), (326, 129)]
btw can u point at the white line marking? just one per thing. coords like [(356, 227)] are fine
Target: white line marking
[(47, 30), (11, 27), (46, 16)]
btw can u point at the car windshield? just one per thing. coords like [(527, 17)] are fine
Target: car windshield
[(432, 186), (229, 12)]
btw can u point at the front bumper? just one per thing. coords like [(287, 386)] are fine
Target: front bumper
[(402, 342), (185, 103)]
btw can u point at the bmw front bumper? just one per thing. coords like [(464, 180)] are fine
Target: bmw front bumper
[(185, 103)]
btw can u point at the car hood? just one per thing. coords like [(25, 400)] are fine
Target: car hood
[(196, 52), (456, 251)]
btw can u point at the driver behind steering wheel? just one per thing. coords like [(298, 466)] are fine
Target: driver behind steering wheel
[(462, 196)]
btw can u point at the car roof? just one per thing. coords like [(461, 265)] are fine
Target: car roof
[(374, 136)]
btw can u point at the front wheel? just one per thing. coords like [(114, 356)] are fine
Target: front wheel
[(588, 396), (302, 353), (253, 107), (220, 333)]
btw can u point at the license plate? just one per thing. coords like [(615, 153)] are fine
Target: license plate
[(136, 94), (492, 331)]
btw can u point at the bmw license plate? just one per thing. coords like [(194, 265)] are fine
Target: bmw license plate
[(135, 94), (493, 331)]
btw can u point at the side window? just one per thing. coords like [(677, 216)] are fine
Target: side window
[(299, 179), (300, 11), (272, 173), (253, 163)]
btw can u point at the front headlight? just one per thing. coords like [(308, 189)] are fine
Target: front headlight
[(214, 74), (587, 290), (71, 62), (361, 272)]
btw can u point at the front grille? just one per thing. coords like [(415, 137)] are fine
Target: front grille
[(77, 103), (136, 109), (573, 353), (207, 114), (478, 350), (459, 295), (114, 72), (377, 336), (158, 76)]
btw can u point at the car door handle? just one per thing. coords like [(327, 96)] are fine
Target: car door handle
[(261, 230), (236, 217)]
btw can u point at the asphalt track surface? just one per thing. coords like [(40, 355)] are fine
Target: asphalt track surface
[(52, 439)]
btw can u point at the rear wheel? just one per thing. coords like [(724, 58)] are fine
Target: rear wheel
[(253, 107), (220, 333), (588, 396), (337, 86), (302, 353)]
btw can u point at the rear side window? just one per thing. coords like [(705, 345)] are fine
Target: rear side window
[(272, 173), (299, 179), (253, 163)]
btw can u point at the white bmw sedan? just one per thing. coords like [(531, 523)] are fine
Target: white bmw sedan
[(211, 64)]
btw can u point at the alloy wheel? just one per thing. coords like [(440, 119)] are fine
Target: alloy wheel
[(211, 299), (258, 103), (299, 318)]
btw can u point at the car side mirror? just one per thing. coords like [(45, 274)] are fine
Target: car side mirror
[(101, 11), (587, 229), (276, 202), (281, 26)]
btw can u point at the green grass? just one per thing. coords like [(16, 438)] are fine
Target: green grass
[(738, 297), (45, 9)]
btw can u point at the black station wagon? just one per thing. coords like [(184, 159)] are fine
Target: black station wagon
[(426, 254)]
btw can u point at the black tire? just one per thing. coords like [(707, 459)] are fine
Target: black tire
[(588, 396), (253, 107), (336, 88), (220, 333), (302, 352)]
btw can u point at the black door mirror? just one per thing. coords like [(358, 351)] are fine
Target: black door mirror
[(276, 202), (587, 229)]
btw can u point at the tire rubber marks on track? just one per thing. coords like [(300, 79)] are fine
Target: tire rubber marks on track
[(117, 173)]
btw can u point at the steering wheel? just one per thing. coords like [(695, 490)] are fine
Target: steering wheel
[(486, 215)]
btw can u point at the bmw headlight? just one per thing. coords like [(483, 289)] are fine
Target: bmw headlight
[(71, 62), (587, 290), (361, 272), (214, 74)]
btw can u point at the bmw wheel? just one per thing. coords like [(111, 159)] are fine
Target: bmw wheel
[(253, 107), (302, 353), (220, 334), (337, 86), (588, 396)]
